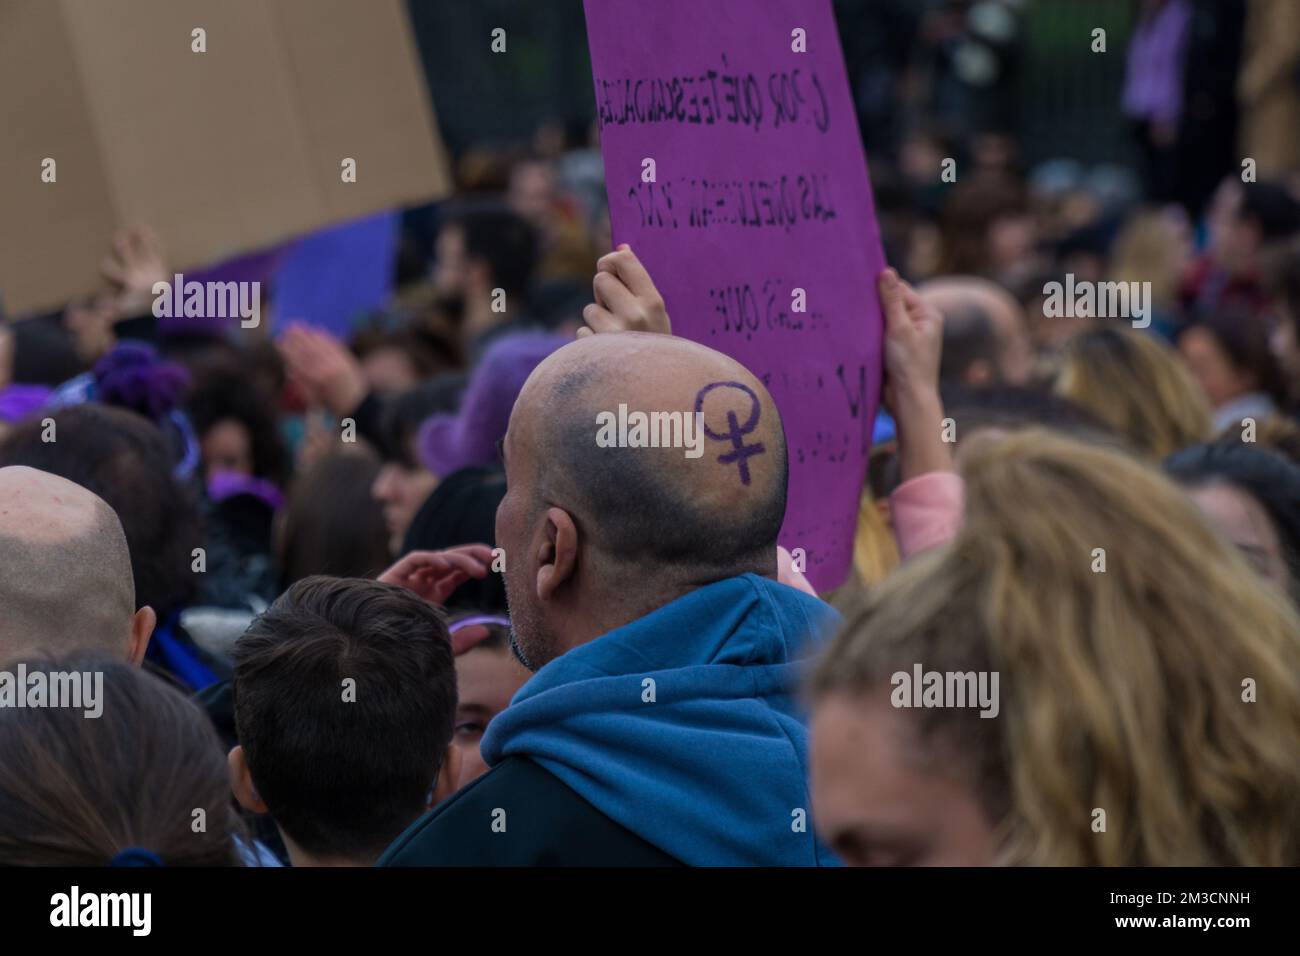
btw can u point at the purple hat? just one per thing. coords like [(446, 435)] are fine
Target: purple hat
[(448, 443)]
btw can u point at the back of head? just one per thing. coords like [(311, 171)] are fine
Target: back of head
[(138, 775), (122, 458), (1137, 387), (331, 522), (985, 332), (999, 409), (605, 434), (462, 510), (345, 695), (658, 509), (507, 242), (1123, 629), (66, 581)]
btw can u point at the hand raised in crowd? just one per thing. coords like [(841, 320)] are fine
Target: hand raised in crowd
[(434, 575), (133, 266), (324, 368), (626, 297), (913, 345)]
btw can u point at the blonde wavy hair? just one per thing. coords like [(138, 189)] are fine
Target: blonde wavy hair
[(1136, 385), (1121, 690)]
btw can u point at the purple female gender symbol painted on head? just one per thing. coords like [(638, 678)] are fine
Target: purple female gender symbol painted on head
[(736, 432)]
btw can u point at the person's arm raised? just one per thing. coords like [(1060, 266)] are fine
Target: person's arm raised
[(927, 505), (913, 342)]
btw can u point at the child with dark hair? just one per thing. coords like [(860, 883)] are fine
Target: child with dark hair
[(79, 799), (345, 694)]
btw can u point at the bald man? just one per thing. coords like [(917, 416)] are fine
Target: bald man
[(65, 572), (985, 334), (661, 726)]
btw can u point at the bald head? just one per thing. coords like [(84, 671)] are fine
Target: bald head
[(66, 578), (588, 435), (982, 321), (713, 504)]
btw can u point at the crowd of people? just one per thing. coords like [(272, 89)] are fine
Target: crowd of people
[(384, 599)]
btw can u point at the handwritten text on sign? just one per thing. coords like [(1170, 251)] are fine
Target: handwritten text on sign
[(735, 171)]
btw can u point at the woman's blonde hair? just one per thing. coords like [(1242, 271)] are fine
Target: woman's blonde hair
[(1144, 670), (1137, 386), (1145, 251)]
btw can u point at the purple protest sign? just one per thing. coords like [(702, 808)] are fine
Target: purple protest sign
[(736, 173)]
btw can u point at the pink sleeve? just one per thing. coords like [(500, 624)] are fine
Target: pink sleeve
[(927, 511)]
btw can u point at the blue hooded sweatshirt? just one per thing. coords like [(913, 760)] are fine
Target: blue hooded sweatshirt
[(684, 725)]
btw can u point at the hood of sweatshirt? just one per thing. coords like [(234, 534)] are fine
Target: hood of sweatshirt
[(684, 726)]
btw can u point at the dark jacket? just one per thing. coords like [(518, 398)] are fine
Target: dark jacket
[(517, 814)]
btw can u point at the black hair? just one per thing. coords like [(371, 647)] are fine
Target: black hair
[(1267, 476), (463, 510), (345, 767), (506, 241), (122, 457), (403, 414), (1018, 406), (1272, 207), (1244, 339), (44, 352), (232, 396)]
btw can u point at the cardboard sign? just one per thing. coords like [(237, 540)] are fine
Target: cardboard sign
[(735, 170), (223, 152)]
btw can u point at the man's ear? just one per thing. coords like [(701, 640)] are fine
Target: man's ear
[(558, 557), (142, 625), (448, 776), (241, 782)]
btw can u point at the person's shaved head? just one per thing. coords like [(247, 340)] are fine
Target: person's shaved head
[(65, 572), (648, 523)]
